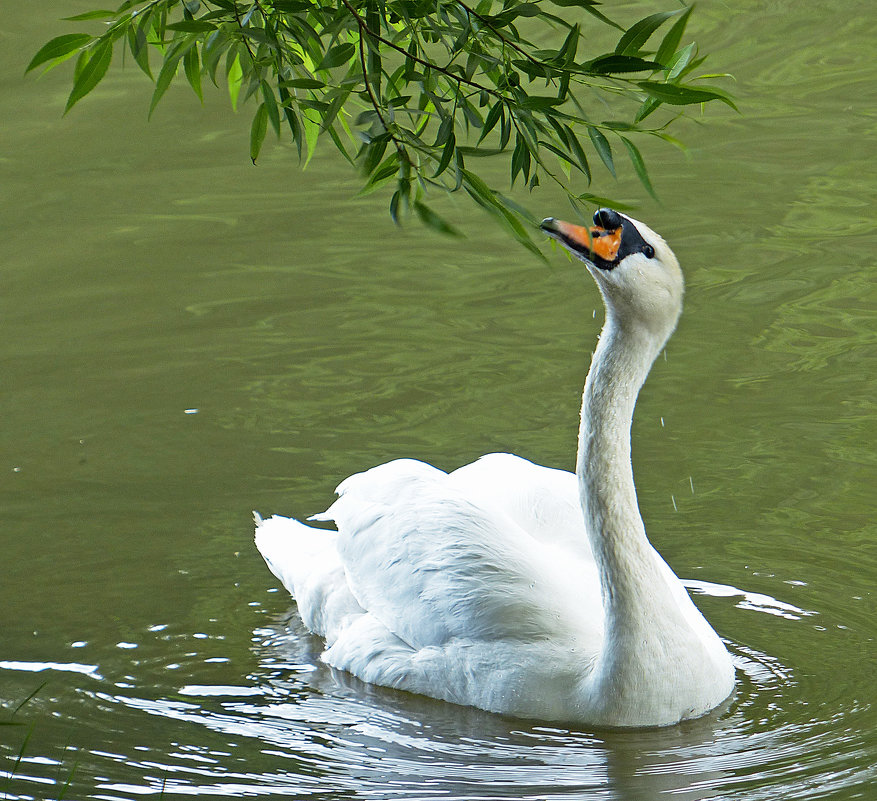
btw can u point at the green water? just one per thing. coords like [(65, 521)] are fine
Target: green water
[(186, 337)]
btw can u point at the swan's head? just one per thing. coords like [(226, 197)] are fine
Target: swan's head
[(636, 271)]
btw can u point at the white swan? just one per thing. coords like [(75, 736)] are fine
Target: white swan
[(516, 588)]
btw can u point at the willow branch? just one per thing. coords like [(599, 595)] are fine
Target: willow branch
[(374, 100), (364, 28), (237, 17), (489, 25)]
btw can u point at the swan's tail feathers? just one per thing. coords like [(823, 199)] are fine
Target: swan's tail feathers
[(306, 561), (291, 548)]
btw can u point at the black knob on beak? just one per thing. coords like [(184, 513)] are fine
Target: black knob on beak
[(609, 219)]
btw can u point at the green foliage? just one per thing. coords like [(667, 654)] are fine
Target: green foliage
[(409, 90)]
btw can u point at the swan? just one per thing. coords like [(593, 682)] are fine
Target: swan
[(520, 589)]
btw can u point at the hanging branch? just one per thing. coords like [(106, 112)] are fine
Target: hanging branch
[(304, 65)]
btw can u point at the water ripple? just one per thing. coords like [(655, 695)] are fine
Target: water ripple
[(322, 734)]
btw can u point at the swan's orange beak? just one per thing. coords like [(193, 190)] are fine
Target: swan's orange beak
[(597, 241)]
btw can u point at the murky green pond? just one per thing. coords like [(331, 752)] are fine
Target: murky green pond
[(186, 337)]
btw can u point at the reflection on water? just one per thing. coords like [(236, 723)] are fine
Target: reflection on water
[(186, 337), (756, 601), (319, 732)]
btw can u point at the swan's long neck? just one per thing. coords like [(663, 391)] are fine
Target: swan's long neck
[(629, 567), (659, 659)]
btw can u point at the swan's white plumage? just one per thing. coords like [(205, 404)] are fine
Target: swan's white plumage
[(513, 587), (453, 587)]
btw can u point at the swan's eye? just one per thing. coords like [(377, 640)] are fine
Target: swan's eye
[(649, 251)]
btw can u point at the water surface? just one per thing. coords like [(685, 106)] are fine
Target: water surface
[(187, 337)]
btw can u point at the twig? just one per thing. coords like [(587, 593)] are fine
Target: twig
[(374, 100), (363, 25), (487, 23), (237, 17)]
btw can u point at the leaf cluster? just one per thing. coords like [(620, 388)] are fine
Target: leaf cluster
[(412, 91)]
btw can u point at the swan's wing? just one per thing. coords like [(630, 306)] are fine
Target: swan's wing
[(528, 679), (425, 590), (431, 566), (543, 501)]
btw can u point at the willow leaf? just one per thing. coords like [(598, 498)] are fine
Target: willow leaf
[(479, 190), (234, 79), (100, 13), (680, 95), (576, 148), (59, 48), (92, 73), (672, 39), (614, 63), (137, 46), (604, 150), (163, 81), (304, 83), (680, 60), (432, 220), (192, 68), (312, 133), (192, 26), (336, 56), (257, 131), (447, 155), (395, 202), (382, 175), (567, 157), (493, 117), (271, 106), (639, 33), (588, 5), (639, 165)]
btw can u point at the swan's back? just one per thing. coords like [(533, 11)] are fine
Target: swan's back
[(543, 501)]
